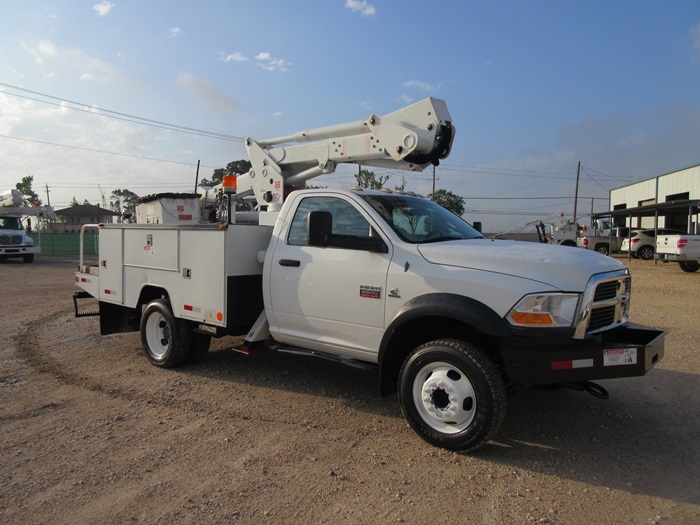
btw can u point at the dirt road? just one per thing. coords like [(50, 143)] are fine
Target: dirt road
[(92, 433)]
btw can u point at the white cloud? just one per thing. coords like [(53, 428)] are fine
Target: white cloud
[(70, 142), (277, 114), (233, 57), (405, 99), (423, 86), (268, 63), (362, 7), (103, 8), (174, 32), (48, 55), (206, 95), (695, 36)]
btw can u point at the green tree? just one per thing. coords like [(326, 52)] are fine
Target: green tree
[(121, 200), (448, 200), (234, 167), (29, 196), (367, 179), (74, 202)]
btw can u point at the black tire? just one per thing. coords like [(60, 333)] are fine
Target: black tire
[(166, 340), (645, 252), (602, 248), (199, 347), (452, 394), (689, 267), (29, 258), (568, 243)]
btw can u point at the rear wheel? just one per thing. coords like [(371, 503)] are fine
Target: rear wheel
[(29, 258), (645, 252), (166, 340), (452, 394), (603, 248), (689, 267)]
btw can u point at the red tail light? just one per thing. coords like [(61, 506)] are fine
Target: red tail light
[(635, 240), (682, 242), (585, 241)]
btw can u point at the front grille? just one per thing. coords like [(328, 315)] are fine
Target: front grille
[(10, 240), (605, 303), (601, 317)]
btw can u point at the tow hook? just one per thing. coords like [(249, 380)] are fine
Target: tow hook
[(590, 387)]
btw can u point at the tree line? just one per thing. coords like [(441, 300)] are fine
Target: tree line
[(124, 199)]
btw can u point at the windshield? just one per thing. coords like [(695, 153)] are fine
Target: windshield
[(10, 223), (418, 220)]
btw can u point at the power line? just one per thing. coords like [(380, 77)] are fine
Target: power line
[(101, 151), (121, 116)]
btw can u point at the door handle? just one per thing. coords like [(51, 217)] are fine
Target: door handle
[(290, 262)]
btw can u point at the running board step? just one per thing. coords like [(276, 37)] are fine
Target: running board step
[(85, 313)]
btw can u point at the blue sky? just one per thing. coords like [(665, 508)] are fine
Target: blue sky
[(532, 87)]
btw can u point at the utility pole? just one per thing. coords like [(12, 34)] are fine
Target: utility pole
[(578, 174), (433, 181), (48, 200)]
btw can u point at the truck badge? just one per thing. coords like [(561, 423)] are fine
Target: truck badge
[(370, 291)]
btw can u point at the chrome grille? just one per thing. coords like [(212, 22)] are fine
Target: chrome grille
[(605, 303)]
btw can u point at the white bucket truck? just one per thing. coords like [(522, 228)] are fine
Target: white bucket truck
[(379, 279), (14, 241)]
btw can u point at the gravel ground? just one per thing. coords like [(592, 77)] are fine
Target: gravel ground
[(92, 433)]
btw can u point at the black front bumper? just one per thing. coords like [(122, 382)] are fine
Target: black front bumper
[(627, 351)]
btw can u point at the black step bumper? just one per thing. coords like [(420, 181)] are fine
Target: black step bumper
[(627, 351)]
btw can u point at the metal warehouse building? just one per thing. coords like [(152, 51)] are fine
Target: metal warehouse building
[(670, 200)]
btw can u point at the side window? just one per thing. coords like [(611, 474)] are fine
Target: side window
[(346, 219)]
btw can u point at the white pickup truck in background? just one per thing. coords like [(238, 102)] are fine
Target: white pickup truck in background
[(683, 249)]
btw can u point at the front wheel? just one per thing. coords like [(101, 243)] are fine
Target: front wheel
[(166, 340), (689, 267), (452, 394)]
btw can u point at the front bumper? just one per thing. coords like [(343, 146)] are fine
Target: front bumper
[(628, 351)]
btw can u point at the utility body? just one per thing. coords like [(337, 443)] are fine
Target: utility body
[(683, 249), (381, 280)]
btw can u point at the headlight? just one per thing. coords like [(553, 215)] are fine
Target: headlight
[(546, 310)]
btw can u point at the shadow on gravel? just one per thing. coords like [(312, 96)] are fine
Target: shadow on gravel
[(638, 441), (635, 441)]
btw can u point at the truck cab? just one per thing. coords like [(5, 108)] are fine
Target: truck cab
[(14, 241)]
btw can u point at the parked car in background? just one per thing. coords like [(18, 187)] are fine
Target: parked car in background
[(643, 242)]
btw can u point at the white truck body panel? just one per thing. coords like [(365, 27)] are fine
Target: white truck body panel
[(193, 263)]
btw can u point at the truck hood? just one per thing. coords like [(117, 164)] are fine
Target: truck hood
[(562, 267)]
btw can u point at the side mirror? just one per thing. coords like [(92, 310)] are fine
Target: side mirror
[(319, 227)]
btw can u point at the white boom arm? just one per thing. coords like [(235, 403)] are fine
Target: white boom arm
[(411, 138), (11, 206)]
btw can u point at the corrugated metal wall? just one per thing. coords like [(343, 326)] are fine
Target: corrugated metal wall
[(685, 182)]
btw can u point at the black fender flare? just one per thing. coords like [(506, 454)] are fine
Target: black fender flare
[(459, 308)]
